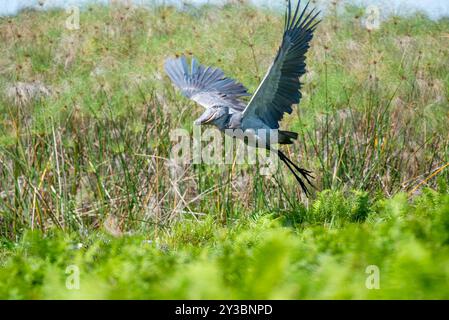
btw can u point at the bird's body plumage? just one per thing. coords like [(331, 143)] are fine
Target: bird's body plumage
[(275, 96)]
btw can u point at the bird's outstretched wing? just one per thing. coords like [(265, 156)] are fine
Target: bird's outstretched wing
[(205, 85), (279, 89)]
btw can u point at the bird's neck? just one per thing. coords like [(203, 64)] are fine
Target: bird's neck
[(235, 121), (222, 123)]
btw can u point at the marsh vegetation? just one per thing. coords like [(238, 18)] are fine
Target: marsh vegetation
[(85, 121)]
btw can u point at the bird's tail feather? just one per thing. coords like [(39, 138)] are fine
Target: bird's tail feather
[(287, 137)]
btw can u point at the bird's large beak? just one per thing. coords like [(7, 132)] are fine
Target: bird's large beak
[(206, 117)]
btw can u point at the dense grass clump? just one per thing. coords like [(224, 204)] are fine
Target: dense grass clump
[(85, 157)]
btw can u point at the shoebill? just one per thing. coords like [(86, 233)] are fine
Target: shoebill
[(277, 93)]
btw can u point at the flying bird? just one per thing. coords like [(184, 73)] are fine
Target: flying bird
[(277, 93)]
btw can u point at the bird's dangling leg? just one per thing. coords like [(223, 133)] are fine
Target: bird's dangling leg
[(305, 173)]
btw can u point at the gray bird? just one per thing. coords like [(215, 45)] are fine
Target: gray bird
[(278, 92)]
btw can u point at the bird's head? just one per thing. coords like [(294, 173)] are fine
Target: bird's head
[(213, 114)]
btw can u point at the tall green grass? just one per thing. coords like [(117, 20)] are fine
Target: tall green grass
[(97, 148)]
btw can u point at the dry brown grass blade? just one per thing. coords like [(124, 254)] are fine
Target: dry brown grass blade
[(439, 170)]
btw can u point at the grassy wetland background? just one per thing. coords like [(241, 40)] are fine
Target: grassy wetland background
[(87, 184)]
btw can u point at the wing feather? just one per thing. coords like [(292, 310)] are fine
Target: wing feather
[(280, 88), (205, 85)]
